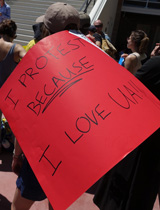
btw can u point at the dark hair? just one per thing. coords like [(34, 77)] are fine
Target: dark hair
[(37, 28), (46, 32), (8, 27), (92, 28), (140, 39), (71, 26)]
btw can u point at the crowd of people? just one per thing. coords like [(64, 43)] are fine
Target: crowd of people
[(114, 189)]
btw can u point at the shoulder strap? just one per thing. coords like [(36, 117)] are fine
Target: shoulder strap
[(136, 54), (12, 49)]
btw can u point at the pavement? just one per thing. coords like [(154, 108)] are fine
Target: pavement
[(7, 188), (8, 185)]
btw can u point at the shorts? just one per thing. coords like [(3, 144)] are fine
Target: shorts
[(28, 184)]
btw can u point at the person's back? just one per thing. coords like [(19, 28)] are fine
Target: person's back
[(10, 53), (134, 182), (7, 63), (149, 75), (9, 58)]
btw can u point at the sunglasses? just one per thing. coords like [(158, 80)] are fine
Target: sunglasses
[(98, 26)]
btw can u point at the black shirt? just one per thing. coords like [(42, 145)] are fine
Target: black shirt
[(99, 37), (149, 75)]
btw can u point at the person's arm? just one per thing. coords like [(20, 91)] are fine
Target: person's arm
[(98, 43), (156, 50), (17, 149), (98, 40), (149, 69), (17, 158), (7, 14), (130, 62), (0, 131), (19, 53), (124, 55), (149, 75)]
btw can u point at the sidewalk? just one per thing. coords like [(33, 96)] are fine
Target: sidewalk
[(7, 188)]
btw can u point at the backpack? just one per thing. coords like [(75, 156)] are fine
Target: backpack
[(108, 48)]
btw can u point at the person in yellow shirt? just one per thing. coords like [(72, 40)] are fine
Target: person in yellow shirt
[(37, 28)]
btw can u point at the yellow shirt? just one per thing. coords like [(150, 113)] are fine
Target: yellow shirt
[(30, 45)]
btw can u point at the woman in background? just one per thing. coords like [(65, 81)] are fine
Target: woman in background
[(137, 43)]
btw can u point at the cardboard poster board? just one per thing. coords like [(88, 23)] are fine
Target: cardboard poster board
[(76, 113)]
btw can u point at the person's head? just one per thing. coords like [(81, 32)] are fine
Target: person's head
[(37, 28), (8, 30), (58, 17), (138, 41), (92, 29), (99, 25), (84, 22), (1, 2)]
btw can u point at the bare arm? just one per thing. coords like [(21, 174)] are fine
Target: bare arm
[(17, 158), (0, 130), (124, 55), (130, 62), (98, 43), (18, 151), (19, 53), (156, 50)]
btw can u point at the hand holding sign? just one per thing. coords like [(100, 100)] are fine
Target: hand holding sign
[(95, 113)]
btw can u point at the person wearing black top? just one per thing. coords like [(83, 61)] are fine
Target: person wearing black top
[(133, 184), (99, 35), (149, 75)]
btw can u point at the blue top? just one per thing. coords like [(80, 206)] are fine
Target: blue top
[(6, 12), (121, 61), (107, 37), (7, 65)]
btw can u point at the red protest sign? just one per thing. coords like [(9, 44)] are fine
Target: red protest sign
[(76, 113)]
